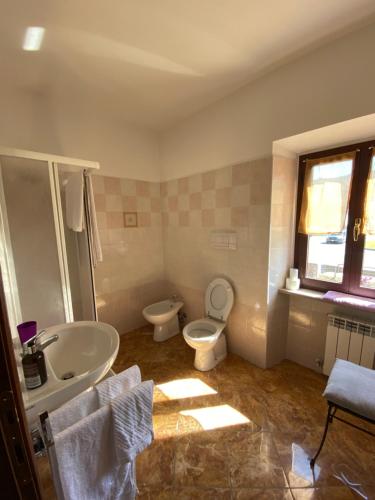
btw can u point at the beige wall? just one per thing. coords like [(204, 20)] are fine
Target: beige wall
[(284, 185), (318, 89), (32, 121), (131, 275), (235, 198)]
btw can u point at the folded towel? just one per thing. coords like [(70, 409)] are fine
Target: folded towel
[(132, 421), (95, 456), (87, 464), (74, 410), (111, 387), (346, 299), (74, 202)]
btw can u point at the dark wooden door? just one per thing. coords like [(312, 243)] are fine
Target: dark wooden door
[(18, 476)]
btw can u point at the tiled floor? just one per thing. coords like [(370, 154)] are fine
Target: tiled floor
[(277, 418)]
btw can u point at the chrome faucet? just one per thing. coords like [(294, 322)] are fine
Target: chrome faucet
[(35, 344), (47, 342), (175, 297)]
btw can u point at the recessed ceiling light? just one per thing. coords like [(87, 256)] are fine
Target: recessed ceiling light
[(33, 38)]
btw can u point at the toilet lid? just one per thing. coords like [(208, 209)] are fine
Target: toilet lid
[(219, 299)]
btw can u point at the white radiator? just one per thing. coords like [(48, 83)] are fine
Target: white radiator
[(349, 339)]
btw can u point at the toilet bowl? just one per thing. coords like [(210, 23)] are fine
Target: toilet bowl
[(164, 316), (206, 335)]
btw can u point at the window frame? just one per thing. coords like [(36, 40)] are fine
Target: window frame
[(353, 250)]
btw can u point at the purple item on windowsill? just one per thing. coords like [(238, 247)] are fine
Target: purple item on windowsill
[(344, 299), (26, 331)]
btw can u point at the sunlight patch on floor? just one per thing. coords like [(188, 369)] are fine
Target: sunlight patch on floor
[(185, 388), (215, 417), (301, 464)]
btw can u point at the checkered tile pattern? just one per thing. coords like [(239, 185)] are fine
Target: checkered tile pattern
[(220, 198), (114, 196)]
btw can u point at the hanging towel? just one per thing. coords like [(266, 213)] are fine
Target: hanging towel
[(132, 421), (111, 387), (74, 202), (74, 410), (95, 456), (96, 249)]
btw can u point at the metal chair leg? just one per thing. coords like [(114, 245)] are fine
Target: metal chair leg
[(329, 419)]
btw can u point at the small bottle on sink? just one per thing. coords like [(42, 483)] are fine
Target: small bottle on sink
[(34, 366)]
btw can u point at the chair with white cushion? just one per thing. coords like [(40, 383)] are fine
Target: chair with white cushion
[(351, 389)]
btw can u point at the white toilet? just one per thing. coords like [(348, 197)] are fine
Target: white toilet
[(206, 335)]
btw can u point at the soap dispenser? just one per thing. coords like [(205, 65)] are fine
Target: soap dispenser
[(34, 366)]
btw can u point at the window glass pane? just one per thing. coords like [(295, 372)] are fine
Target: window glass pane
[(326, 253), (325, 257), (368, 261)]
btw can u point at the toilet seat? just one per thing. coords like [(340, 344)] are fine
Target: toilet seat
[(219, 299), (203, 330)]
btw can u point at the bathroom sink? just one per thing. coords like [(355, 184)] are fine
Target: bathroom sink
[(83, 354)]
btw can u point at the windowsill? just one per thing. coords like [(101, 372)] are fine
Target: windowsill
[(304, 292), (313, 294)]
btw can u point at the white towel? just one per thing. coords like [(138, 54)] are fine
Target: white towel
[(111, 387), (96, 249), (87, 462), (74, 410), (132, 421), (74, 202), (95, 456)]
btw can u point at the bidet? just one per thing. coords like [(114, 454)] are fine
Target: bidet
[(164, 316)]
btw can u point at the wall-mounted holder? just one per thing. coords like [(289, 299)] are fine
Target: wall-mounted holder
[(224, 240)]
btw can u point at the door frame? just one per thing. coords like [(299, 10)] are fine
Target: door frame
[(17, 461)]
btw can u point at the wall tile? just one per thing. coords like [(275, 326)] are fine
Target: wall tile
[(100, 202), (142, 188), (223, 197), (241, 174), (208, 217), (98, 184), (112, 185), (208, 199), (240, 216), (195, 201), (195, 183), (128, 187), (183, 185), (223, 177), (183, 218), (113, 203), (240, 196), (208, 181), (129, 203)]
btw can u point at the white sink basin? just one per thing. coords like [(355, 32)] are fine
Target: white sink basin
[(85, 352)]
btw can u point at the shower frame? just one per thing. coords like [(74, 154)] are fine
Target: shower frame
[(6, 255)]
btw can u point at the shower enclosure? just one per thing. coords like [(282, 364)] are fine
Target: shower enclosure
[(47, 268)]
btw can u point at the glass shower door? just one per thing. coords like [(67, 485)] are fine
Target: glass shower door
[(31, 242)]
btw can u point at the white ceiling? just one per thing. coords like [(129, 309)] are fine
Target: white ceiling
[(154, 62)]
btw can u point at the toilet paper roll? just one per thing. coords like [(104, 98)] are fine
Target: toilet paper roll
[(293, 273), (293, 284)]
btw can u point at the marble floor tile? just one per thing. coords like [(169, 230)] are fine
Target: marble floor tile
[(239, 432), (259, 494)]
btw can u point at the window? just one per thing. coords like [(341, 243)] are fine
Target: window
[(335, 233)]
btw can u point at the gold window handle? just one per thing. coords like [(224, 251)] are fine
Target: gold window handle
[(357, 229)]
